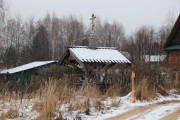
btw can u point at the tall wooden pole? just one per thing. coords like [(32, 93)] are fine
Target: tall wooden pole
[(132, 77)]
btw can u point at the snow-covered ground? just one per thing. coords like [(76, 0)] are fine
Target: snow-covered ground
[(126, 105), (23, 107), (26, 112)]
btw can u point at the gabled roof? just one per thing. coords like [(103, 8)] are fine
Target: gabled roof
[(26, 67), (98, 54), (170, 38)]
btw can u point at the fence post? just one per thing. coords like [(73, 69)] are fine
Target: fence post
[(132, 77)]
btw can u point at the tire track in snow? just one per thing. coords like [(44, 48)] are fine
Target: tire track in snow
[(173, 116), (158, 112), (136, 111)]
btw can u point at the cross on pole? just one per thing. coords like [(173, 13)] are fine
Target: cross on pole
[(92, 19)]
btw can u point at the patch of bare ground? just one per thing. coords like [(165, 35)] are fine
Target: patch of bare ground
[(141, 110)]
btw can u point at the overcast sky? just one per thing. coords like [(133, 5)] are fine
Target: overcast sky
[(131, 13)]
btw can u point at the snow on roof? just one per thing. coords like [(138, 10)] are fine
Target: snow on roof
[(154, 58), (26, 67), (99, 54)]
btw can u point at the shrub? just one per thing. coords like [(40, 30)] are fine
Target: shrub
[(115, 104), (78, 105), (98, 105)]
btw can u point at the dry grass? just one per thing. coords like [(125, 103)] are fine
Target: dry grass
[(50, 100), (115, 104), (146, 91), (112, 91), (11, 114), (65, 92), (87, 106), (89, 91), (78, 105), (98, 105), (38, 106), (81, 105), (3, 116), (4, 96), (53, 92)]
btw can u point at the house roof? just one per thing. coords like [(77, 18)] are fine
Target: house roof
[(98, 54), (171, 35), (26, 67), (172, 47), (154, 58)]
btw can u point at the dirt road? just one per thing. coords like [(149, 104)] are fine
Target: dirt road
[(142, 112), (172, 116)]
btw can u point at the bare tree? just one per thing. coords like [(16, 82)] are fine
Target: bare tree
[(2, 20), (166, 28), (109, 34), (140, 43), (28, 36), (62, 32), (2, 11)]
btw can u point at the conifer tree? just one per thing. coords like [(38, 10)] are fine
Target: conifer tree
[(10, 57), (40, 45)]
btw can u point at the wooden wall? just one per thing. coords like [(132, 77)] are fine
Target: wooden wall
[(174, 59)]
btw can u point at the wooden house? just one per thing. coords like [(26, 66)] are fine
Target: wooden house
[(172, 47), (24, 73), (154, 61), (94, 61)]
